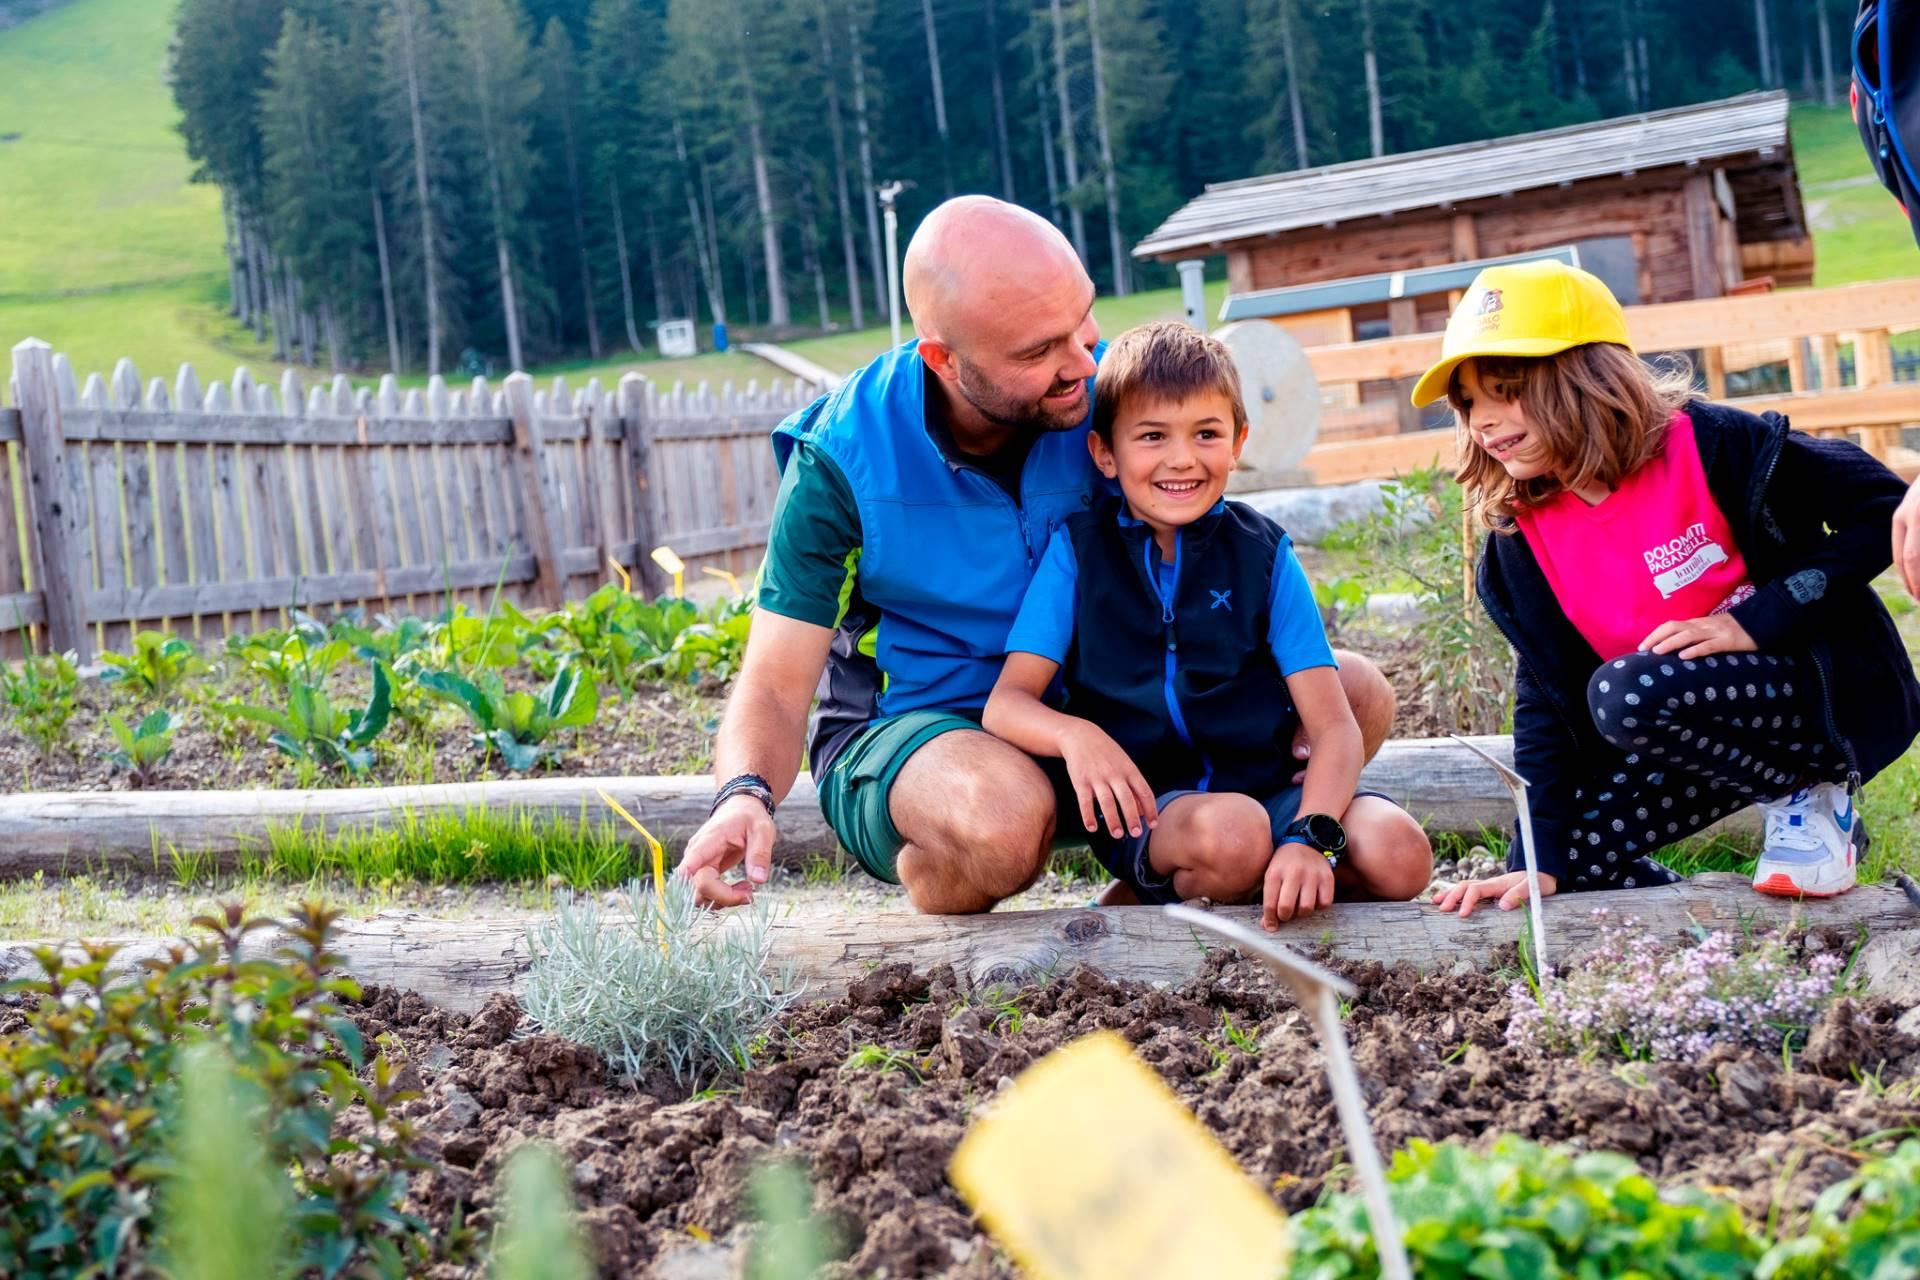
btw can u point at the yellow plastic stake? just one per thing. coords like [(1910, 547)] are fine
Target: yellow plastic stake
[(626, 579), (671, 563), (659, 860), (1089, 1167), (732, 582)]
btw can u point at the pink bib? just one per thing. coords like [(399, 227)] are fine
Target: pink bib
[(1656, 550)]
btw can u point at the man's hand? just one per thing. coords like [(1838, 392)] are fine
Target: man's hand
[(1299, 881), (1698, 637), (1906, 540), (1509, 891), (1104, 776), (738, 829)]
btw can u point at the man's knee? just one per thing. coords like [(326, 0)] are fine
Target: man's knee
[(1371, 695), (1225, 847), (1388, 851), (988, 809)]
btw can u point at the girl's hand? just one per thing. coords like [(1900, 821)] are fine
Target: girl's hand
[(1510, 890), (1698, 637), (1103, 775)]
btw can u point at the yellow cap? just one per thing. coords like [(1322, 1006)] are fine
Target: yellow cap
[(1524, 309)]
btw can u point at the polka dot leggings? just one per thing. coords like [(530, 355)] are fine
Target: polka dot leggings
[(1700, 739)]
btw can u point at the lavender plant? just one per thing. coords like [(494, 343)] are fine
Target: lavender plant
[(1642, 998), (665, 985)]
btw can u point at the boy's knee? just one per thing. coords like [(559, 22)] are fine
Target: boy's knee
[(1390, 852), (1229, 844)]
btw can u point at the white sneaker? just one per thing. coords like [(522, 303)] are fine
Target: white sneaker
[(1813, 839)]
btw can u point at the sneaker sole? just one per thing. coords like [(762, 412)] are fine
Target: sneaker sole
[(1781, 885)]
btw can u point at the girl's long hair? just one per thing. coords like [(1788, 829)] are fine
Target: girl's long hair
[(1600, 410)]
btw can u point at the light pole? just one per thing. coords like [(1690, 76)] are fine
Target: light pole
[(887, 192)]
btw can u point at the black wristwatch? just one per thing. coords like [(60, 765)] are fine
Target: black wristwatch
[(746, 784), (1318, 831)]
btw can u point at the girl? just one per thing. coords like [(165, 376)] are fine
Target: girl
[(1686, 589)]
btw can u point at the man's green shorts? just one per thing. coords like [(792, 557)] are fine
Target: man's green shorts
[(854, 793)]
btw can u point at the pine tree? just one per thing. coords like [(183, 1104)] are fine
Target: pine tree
[(416, 106)]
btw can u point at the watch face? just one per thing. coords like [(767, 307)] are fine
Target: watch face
[(1326, 832)]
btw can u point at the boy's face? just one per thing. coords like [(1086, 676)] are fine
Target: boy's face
[(1172, 458)]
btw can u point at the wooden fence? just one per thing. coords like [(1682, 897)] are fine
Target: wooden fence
[(206, 510), (1790, 351)]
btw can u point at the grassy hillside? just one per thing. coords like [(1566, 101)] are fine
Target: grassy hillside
[(107, 250)]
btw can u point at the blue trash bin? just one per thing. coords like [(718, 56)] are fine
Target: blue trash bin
[(719, 337)]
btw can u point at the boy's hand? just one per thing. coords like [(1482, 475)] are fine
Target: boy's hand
[(1509, 890), (1698, 637), (1299, 881), (1104, 776)]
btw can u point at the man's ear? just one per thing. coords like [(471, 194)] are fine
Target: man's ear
[(938, 357), (1102, 456)]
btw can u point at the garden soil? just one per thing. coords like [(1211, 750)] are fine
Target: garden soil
[(659, 1174)]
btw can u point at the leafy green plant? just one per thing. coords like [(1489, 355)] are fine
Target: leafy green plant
[(1865, 1228), (710, 649), (145, 747), (661, 986), (302, 653), (514, 722), (219, 1165), (461, 640), (155, 668), (1416, 539), (614, 633), (538, 1239), (87, 1085), (314, 731), (454, 847), (1524, 1210), (43, 694), (789, 1242)]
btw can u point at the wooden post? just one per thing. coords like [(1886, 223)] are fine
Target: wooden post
[(530, 468), (1701, 213), (637, 432), (1713, 363), (1826, 360), (1873, 367), (56, 518)]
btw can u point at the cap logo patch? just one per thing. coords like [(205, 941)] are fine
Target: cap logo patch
[(1490, 302)]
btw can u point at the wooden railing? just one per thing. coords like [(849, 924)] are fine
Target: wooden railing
[(1809, 332), (205, 511)]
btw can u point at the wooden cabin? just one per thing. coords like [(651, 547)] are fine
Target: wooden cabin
[(1693, 202)]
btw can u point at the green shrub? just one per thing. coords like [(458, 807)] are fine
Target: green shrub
[(86, 1085), (516, 723), (43, 694), (312, 729), (712, 648), (538, 1238), (156, 667), (1865, 1228), (1526, 1211), (666, 986), (614, 633), (303, 653), (145, 747)]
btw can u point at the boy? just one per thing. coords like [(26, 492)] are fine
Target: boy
[(1190, 647)]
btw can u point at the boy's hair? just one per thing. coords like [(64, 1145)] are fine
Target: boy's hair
[(1166, 361), (1601, 411)]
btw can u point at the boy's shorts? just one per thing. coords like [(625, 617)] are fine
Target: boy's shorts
[(1126, 858), (855, 791)]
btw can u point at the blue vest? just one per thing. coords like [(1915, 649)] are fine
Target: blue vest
[(946, 554)]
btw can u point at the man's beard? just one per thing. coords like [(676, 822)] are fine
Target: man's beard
[(1020, 415)]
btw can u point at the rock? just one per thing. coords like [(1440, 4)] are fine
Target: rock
[(460, 1108), (1744, 1087), (1309, 515), (1890, 966), (965, 1043), (696, 1262)]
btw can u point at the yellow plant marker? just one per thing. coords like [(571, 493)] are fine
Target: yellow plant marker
[(671, 563), (724, 575), (1089, 1168), (659, 859), (626, 579)]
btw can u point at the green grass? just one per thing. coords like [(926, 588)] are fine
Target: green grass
[(1858, 232)]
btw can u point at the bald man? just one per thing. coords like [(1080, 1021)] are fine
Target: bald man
[(914, 503)]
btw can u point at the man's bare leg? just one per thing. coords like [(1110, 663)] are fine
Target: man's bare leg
[(977, 816)]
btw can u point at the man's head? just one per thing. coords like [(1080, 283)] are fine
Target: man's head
[(1168, 421), (1005, 313)]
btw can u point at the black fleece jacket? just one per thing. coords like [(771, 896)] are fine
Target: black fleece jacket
[(1813, 518)]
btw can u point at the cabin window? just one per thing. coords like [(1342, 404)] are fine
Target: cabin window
[(1611, 258)]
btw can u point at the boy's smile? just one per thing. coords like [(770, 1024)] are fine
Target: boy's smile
[(1172, 459)]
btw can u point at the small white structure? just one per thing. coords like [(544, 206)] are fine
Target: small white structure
[(676, 338), (1283, 405)]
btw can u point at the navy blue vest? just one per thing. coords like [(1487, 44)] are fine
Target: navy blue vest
[(1186, 684)]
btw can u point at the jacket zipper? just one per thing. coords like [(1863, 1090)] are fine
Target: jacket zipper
[(1819, 665), (1166, 598)]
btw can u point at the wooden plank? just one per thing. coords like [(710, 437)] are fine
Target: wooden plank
[(10, 431), (127, 426), (337, 522), (143, 563), (1797, 365), (309, 506), (1826, 358), (457, 503), (433, 512), (109, 545), (284, 487), (198, 515), (13, 558), (170, 511), (637, 442), (23, 609), (228, 482), (757, 425), (603, 499), (1713, 367), (458, 964), (541, 504), (425, 580), (265, 515), (1872, 358), (373, 511)]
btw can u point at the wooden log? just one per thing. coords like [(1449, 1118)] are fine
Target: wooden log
[(458, 964), (1440, 782), (542, 505), (58, 528)]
